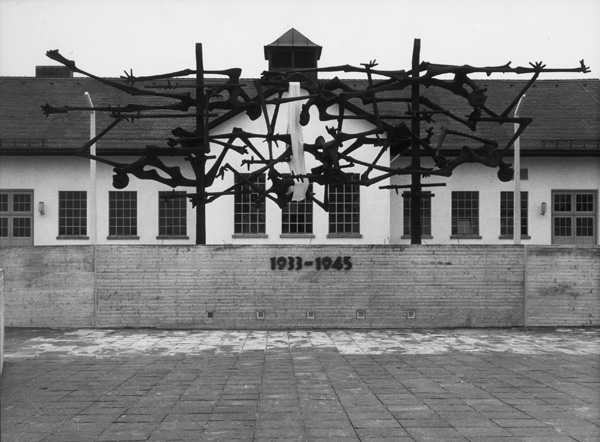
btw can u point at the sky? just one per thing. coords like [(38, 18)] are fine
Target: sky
[(106, 37)]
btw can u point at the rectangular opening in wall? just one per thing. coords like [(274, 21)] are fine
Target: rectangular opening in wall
[(411, 314), (210, 315), (361, 314), (310, 314), (16, 218), (260, 314)]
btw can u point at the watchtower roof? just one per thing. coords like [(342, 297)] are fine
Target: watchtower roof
[(294, 39)]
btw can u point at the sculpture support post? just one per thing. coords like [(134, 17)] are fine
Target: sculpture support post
[(199, 164), (415, 189)]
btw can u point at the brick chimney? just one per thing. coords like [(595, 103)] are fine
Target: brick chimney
[(53, 72)]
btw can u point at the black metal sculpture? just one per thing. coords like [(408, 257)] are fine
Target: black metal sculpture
[(336, 102)]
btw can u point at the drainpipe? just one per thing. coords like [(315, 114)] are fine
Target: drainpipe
[(93, 202), (517, 193)]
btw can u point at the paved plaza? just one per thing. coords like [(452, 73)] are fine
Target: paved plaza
[(470, 385)]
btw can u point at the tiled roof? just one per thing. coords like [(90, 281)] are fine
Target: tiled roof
[(21, 116), (566, 114)]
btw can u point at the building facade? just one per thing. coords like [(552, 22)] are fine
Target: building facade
[(148, 212), (48, 196)]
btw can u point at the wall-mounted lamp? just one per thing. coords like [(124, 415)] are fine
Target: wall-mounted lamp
[(544, 208), (41, 207)]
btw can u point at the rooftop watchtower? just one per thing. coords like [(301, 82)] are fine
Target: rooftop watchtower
[(293, 51)]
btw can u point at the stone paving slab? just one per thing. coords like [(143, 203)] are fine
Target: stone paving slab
[(473, 385)]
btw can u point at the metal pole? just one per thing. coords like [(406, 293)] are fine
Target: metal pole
[(93, 205), (93, 192), (200, 162), (517, 178), (415, 194)]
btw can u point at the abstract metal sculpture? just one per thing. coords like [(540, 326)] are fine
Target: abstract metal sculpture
[(336, 102)]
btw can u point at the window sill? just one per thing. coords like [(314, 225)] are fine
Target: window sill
[(509, 237), (422, 237), (249, 235), (297, 235), (465, 237), (172, 237), (68, 237), (118, 237), (344, 235)]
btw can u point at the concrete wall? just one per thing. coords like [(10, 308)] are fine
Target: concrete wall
[(177, 286), (395, 286), (49, 286), (563, 286), (1, 319)]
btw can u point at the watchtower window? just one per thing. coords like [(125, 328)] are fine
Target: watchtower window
[(281, 58), (293, 58), (304, 59)]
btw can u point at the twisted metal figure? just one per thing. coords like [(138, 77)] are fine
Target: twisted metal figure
[(334, 100)]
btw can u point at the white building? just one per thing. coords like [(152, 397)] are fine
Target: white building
[(48, 196)]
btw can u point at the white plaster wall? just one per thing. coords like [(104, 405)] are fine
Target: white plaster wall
[(47, 175), (375, 203), (545, 175), (147, 194)]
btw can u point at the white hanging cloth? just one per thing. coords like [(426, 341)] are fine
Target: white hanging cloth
[(297, 164)]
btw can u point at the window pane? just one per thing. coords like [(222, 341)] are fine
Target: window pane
[(4, 227), (465, 213), (72, 213), (507, 213), (172, 214), (296, 217), (562, 202), (123, 213), (584, 226), (3, 202), (524, 210), (562, 226), (22, 202), (584, 202), (21, 227), (348, 196), (253, 215)]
